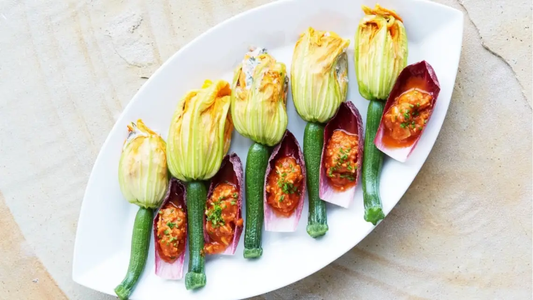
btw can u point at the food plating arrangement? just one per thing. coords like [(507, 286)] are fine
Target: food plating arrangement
[(192, 194)]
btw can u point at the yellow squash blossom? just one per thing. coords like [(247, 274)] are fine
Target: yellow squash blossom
[(143, 174), (259, 98), (200, 132), (380, 52), (319, 74)]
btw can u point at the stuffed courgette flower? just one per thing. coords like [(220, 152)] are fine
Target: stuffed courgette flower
[(199, 138), (319, 74), (319, 84), (380, 52), (143, 180), (143, 174), (259, 110), (200, 132), (259, 98), (380, 55)]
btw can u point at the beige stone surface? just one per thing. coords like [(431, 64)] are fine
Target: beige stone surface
[(462, 231), (23, 275)]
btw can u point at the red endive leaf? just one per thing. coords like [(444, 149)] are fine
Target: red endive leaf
[(419, 75), (230, 171), (176, 195), (288, 146), (348, 119)]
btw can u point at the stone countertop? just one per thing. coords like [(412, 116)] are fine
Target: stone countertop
[(462, 230)]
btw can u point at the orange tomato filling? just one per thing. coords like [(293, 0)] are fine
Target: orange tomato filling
[(341, 159), (407, 117), (283, 186), (222, 218), (171, 232)]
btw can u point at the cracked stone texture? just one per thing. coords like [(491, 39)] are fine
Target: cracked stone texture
[(505, 30), (462, 231)]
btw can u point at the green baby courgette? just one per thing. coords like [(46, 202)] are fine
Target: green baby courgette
[(139, 252), (317, 224), (196, 199), (256, 165), (372, 162)]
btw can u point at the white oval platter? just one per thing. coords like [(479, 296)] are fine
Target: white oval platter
[(105, 224)]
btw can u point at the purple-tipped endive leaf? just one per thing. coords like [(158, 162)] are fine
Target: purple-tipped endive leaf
[(231, 172), (348, 120), (419, 76), (287, 147), (175, 196)]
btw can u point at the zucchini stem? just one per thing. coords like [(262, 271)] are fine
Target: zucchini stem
[(140, 242), (372, 163), (256, 165), (317, 223), (196, 199)]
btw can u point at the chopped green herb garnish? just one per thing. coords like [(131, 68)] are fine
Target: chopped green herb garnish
[(347, 176), (171, 225), (281, 198), (235, 195), (233, 202), (215, 215), (288, 188), (167, 232)]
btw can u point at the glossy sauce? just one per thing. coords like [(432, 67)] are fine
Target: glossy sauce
[(406, 118), (171, 232), (221, 218), (284, 186), (341, 159)]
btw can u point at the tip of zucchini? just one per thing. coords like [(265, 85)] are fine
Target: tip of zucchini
[(374, 215), (195, 280), (317, 229), (253, 253), (122, 292)]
